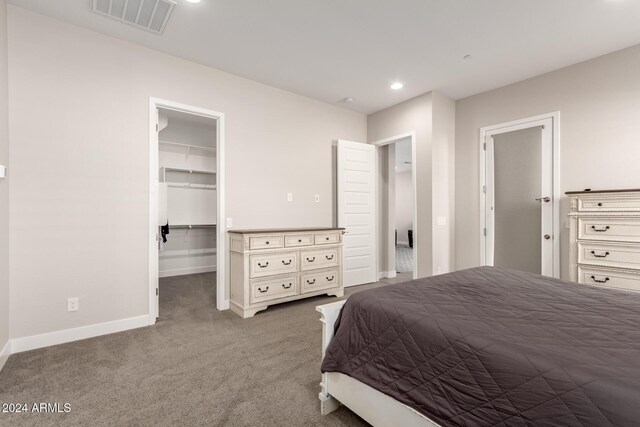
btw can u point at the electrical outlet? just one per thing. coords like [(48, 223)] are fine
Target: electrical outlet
[(442, 220), (317, 198), (73, 304), (289, 197)]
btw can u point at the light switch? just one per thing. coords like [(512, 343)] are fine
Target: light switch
[(317, 198), (3, 171), (289, 197), (229, 222)]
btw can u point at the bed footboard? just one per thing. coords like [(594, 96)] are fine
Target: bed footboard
[(329, 315)]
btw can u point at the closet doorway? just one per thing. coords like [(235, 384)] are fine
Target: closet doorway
[(186, 175)]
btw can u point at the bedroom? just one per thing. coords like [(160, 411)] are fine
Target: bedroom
[(74, 203)]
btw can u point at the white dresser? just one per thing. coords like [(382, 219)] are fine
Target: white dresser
[(274, 266), (605, 238)]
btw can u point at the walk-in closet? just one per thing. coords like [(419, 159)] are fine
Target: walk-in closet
[(187, 190)]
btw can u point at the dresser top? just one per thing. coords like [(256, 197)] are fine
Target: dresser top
[(284, 230), (628, 190)]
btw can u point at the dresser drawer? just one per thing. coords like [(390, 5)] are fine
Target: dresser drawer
[(266, 242), (316, 280), (607, 254), (264, 290), (319, 258), (609, 203), (609, 278), (269, 264), (300, 240), (613, 229), (327, 238)]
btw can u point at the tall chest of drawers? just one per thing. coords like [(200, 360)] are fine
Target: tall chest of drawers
[(274, 266), (605, 238)]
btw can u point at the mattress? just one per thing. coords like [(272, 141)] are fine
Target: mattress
[(489, 346)]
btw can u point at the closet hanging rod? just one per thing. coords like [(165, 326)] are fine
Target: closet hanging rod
[(190, 227), (188, 171)]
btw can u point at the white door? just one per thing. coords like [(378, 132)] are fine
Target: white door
[(520, 198), (357, 211)]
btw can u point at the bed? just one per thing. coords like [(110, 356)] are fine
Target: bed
[(484, 346)]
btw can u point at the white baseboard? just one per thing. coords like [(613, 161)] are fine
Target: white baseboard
[(4, 354), (403, 243), (387, 274), (60, 337), (185, 271)]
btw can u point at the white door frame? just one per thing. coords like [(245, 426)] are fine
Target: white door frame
[(515, 125), (379, 144), (222, 292)]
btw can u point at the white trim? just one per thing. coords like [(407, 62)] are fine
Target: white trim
[(186, 271), (513, 126), (83, 332), (222, 292), (414, 179), (5, 353)]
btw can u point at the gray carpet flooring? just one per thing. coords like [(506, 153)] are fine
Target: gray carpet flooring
[(196, 366)]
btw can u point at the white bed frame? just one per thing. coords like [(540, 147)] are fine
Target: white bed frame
[(375, 407)]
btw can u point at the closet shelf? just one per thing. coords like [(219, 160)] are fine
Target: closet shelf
[(163, 170), (188, 146)]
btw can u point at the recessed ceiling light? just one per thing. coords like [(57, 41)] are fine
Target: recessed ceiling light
[(193, 1), (397, 85), (348, 100)]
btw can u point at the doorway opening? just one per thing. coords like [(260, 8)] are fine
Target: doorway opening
[(187, 244), (397, 198), (519, 195)]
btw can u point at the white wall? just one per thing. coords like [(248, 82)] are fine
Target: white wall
[(599, 103), (412, 115), (4, 187), (404, 205), (79, 192), (431, 116)]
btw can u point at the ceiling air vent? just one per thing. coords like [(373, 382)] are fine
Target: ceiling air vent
[(150, 15)]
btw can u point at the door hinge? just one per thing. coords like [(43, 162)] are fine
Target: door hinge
[(484, 189), (157, 127), (484, 231), (157, 292), (484, 146)]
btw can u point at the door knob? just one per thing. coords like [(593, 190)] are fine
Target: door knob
[(544, 199), (547, 236)]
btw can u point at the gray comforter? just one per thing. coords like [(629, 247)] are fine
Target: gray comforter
[(489, 346)]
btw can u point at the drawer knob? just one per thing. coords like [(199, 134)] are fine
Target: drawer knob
[(599, 256), (326, 238), (330, 279), (600, 230), (265, 290), (266, 243), (329, 258), (299, 240), (599, 203), (311, 282), (606, 279), (311, 259), (263, 266), (286, 263), (287, 286)]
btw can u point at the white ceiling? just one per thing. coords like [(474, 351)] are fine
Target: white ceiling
[(334, 49)]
